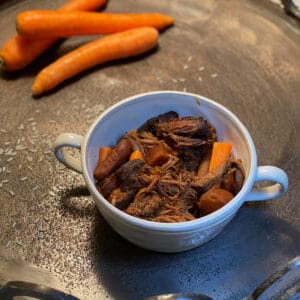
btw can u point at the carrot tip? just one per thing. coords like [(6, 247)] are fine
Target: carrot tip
[(37, 89)]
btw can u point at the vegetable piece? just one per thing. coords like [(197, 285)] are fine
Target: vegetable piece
[(111, 47), (158, 155), (220, 153), (103, 153), (54, 24), (136, 154), (213, 199), (119, 154), (19, 52), (82, 5)]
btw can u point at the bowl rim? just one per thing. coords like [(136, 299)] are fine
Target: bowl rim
[(206, 221)]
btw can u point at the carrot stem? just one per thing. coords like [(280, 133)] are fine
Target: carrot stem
[(50, 24), (19, 52), (220, 153), (119, 45)]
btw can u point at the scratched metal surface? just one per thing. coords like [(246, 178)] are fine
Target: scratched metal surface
[(243, 54)]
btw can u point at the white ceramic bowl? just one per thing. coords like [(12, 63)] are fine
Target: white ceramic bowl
[(130, 114)]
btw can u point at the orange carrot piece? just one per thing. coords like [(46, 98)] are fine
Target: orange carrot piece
[(103, 153), (136, 154), (220, 152), (111, 47), (18, 52), (82, 5), (49, 24)]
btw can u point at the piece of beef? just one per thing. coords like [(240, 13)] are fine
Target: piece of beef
[(186, 132), (187, 126), (107, 185), (190, 158), (131, 175), (234, 180), (121, 199), (145, 204), (149, 125), (217, 175)]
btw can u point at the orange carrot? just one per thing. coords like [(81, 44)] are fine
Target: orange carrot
[(103, 153), (18, 52), (119, 45), (220, 152), (46, 24), (136, 154), (83, 5)]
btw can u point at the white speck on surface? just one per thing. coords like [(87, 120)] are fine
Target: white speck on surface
[(30, 119), (29, 158), (214, 75), (5, 181), (174, 80), (3, 130), (11, 193), (184, 90), (201, 68), (35, 188), (185, 67), (200, 78), (9, 159), (189, 58), (6, 143), (182, 79), (30, 168), (1, 151), (21, 127), (23, 178), (52, 194), (20, 167), (19, 243)]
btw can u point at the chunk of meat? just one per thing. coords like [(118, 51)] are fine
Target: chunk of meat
[(202, 184), (145, 204), (149, 125), (107, 185), (213, 199), (131, 175), (187, 126), (121, 199), (116, 157)]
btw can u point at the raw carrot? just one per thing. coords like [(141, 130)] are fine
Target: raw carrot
[(119, 45), (220, 152), (18, 52), (82, 5), (136, 154), (46, 24)]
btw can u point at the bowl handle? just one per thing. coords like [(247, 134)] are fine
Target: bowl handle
[(68, 140), (269, 173)]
